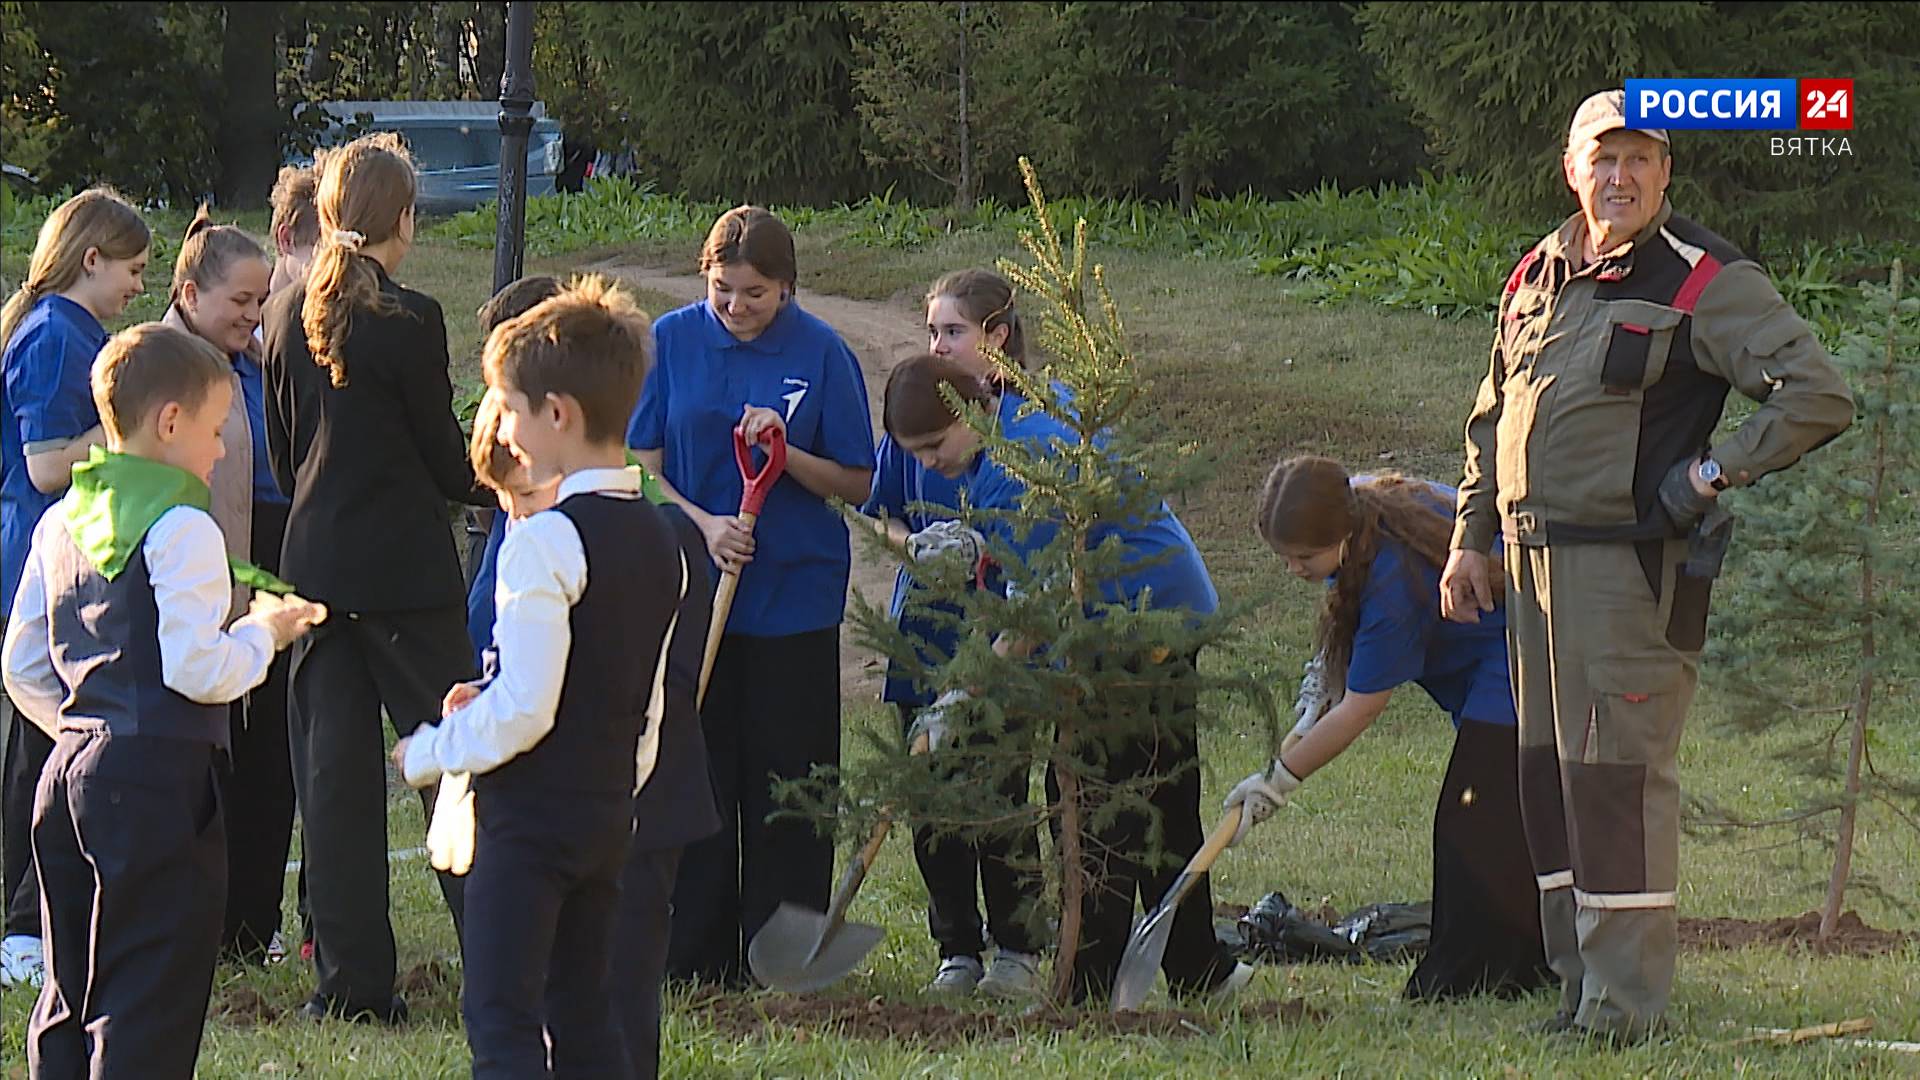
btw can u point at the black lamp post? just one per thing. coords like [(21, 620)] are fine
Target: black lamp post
[(516, 123)]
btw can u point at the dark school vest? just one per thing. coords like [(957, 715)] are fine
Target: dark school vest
[(106, 648), (618, 627), (675, 806)]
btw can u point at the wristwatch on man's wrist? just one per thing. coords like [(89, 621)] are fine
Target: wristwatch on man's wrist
[(1711, 472)]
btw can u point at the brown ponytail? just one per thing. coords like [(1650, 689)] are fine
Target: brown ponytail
[(208, 253), (368, 184), (986, 299), (1310, 503), (915, 405), (96, 219)]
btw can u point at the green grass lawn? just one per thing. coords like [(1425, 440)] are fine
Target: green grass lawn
[(1252, 376)]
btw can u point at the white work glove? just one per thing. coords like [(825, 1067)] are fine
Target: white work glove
[(450, 836), (947, 539), (1316, 698), (1258, 796), (932, 721)]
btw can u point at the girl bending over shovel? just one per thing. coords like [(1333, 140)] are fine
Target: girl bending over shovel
[(1379, 543)]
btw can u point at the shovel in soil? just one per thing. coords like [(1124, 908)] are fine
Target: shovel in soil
[(753, 496), (1148, 943), (799, 950)]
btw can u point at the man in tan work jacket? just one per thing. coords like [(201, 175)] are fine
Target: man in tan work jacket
[(1589, 450)]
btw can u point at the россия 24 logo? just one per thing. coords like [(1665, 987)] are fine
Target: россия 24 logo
[(1748, 105)]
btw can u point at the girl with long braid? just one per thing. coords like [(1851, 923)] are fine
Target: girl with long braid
[(1379, 543)]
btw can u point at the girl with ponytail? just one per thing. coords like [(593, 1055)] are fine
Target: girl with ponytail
[(363, 438), (1379, 542), (86, 266), (220, 282)]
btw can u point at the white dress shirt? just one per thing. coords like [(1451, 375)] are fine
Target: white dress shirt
[(540, 575), (192, 588)]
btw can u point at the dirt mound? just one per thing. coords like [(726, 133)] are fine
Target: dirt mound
[(1851, 935), (243, 1006), (425, 979), (936, 1025)]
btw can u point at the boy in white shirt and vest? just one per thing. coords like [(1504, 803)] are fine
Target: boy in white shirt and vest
[(116, 650), (586, 596)]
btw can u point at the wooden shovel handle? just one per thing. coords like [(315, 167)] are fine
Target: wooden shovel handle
[(717, 628), (1217, 842)]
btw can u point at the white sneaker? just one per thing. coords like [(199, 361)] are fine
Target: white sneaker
[(1013, 975), (958, 975), (276, 949), (1236, 981), (21, 962)]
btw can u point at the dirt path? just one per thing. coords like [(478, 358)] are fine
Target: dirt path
[(881, 335)]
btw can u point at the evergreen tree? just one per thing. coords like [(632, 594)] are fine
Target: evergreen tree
[(1102, 663), (1820, 630)]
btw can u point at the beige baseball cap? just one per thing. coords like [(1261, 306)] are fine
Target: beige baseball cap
[(1603, 112)]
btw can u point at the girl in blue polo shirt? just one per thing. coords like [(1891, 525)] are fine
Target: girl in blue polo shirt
[(1379, 543), (747, 356), (966, 311), (920, 419), (86, 266)]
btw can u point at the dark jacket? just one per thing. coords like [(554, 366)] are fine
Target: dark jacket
[(371, 465)]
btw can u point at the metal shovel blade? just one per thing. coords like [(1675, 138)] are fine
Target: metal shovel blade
[(1146, 946), (779, 953)]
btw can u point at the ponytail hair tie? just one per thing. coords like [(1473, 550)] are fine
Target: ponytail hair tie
[(349, 239)]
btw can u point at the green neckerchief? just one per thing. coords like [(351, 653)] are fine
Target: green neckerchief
[(650, 489), (116, 498)]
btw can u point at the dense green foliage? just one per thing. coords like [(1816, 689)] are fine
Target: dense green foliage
[(1497, 84)]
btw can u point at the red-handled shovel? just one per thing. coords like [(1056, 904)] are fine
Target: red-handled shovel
[(752, 498)]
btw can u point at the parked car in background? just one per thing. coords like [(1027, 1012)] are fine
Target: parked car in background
[(455, 144)]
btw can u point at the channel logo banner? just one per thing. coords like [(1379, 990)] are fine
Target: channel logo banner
[(1714, 104)]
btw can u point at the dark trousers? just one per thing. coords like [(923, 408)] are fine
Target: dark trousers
[(640, 935), (541, 901), (258, 788), (1121, 870), (772, 712), (1486, 907), (129, 842), (27, 751), (1007, 867), (343, 675)]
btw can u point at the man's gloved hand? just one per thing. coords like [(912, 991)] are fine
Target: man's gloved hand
[(1316, 698), (1258, 796), (450, 834), (1684, 503), (947, 539), (932, 721)]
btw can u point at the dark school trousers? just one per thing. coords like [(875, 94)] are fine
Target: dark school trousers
[(1486, 908), (258, 787), (1117, 855), (27, 751), (129, 842), (640, 936), (772, 713), (541, 901), (1007, 866), (344, 674)]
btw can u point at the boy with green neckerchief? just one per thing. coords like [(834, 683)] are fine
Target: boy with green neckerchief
[(115, 649)]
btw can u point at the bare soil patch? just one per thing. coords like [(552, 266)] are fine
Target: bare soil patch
[(1851, 935), (935, 1025)]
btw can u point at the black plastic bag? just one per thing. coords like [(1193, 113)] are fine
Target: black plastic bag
[(1275, 931)]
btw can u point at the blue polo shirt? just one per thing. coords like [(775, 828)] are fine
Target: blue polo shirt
[(1176, 573), (1401, 637), (253, 389), (899, 480), (46, 396), (701, 379)]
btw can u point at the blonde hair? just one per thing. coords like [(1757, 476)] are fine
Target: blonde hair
[(96, 219), (493, 463), (208, 253), (142, 368), (365, 188), (293, 200)]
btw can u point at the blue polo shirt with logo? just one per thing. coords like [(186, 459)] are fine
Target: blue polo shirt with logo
[(46, 396), (1169, 563), (900, 481), (701, 379)]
